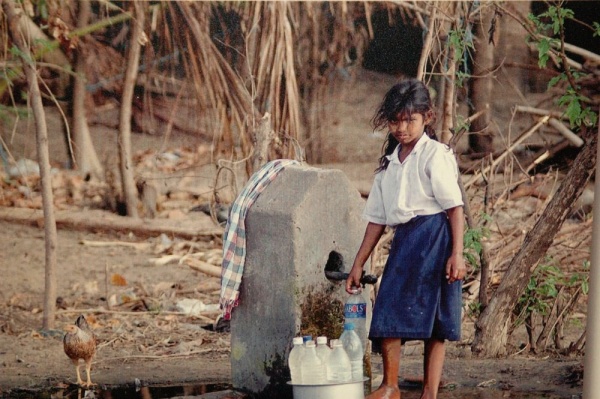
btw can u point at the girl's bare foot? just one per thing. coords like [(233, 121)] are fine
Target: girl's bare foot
[(385, 392)]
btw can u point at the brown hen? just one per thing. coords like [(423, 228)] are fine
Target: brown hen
[(80, 343)]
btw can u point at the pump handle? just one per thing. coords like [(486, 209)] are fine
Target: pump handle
[(340, 276)]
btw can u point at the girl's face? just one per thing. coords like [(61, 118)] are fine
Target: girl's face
[(408, 128)]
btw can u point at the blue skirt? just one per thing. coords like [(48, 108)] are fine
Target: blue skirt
[(415, 300)]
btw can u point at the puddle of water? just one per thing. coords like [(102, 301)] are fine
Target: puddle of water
[(129, 392), (487, 393), (168, 392)]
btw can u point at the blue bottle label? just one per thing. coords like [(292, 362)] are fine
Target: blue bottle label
[(355, 310)]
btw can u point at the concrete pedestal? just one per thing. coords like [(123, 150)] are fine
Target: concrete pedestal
[(301, 217)]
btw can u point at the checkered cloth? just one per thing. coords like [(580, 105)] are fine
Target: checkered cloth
[(234, 242)]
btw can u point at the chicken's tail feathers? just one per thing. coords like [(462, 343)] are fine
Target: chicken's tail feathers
[(82, 323)]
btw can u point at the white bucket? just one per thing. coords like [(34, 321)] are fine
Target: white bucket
[(346, 390)]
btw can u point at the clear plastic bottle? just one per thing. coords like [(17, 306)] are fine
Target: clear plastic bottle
[(354, 350), (295, 360), (355, 312), (323, 351), (338, 365), (313, 370)]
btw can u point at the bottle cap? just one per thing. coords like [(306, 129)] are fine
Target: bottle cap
[(307, 338), (322, 340), (310, 343), (335, 343), (297, 341)]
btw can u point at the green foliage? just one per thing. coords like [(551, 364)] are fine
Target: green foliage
[(544, 46), (553, 19), (474, 309), (472, 242), (577, 114), (548, 24), (544, 287), (462, 124), (461, 40)]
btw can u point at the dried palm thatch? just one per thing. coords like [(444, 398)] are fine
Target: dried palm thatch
[(247, 59)]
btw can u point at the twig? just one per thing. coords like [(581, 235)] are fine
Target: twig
[(577, 50), (578, 345), (165, 356), (562, 313), (566, 132), (508, 151), (541, 112), (106, 278), (163, 260), (421, 70), (204, 267), (136, 245)]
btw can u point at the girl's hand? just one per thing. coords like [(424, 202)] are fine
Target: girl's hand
[(455, 268), (353, 280)]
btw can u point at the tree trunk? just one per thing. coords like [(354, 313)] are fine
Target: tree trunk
[(513, 46), (262, 136), (449, 82), (491, 327), (481, 85), (133, 60), (86, 159), (43, 159)]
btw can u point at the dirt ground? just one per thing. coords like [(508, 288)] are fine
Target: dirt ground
[(137, 342), (164, 349)]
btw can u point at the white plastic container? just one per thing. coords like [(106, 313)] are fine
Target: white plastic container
[(295, 360), (354, 350), (312, 369), (339, 368), (348, 390), (355, 312), (323, 351)]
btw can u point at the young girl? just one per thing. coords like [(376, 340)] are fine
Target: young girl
[(415, 191)]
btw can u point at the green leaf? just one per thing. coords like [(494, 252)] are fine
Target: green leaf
[(543, 49), (555, 80)]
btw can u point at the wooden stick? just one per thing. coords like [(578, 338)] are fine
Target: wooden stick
[(136, 245), (106, 285), (579, 51), (98, 220), (163, 260), (569, 135), (422, 69), (203, 267), (539, 111), (198, 352), (509, 150)]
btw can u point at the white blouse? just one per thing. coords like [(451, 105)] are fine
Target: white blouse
[(426, 183)]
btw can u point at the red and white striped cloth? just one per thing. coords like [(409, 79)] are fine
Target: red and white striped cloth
[(234, 242)]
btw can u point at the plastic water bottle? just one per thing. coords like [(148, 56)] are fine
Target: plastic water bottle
[(295, 361), (338, 365), (323, 351), (313, 370), (354, 350), (355, 312)]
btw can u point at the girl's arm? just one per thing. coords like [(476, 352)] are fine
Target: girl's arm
[(455, 267), (373, 233)]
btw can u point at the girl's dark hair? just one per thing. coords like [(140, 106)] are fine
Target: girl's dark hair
[(407, 97)]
